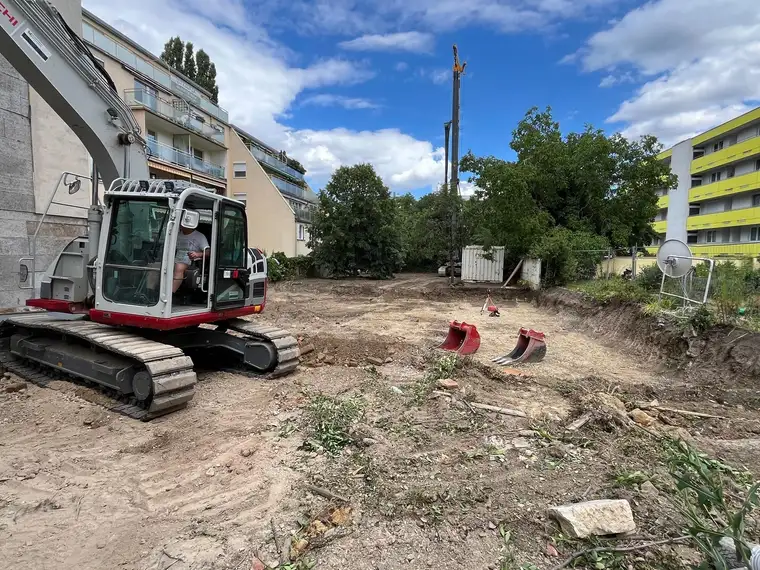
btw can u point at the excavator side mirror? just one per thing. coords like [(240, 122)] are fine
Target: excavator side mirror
[(75, 186), (190, 219)]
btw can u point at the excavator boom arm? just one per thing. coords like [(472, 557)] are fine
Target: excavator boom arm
[(38, 43)]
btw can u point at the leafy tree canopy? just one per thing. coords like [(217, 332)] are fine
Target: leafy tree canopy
[(198, 67), (354, 229)]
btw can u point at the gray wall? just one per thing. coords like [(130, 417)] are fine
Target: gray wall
[(678, 205), (18, 220)]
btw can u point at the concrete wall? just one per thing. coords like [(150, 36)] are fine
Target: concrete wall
[(271, 221), (22, 181), (678, 205), (55, 148)]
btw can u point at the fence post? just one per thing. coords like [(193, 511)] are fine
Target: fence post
[(634, 253), (609, 260)]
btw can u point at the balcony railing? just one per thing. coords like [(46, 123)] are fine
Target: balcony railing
[(304, 215), (159, 75), (737, 249), (288, 188), (176, 115), (735, 185), (735, 152), (660, 226), (740, 217), (275, 163), (663, 201), (181, 158)]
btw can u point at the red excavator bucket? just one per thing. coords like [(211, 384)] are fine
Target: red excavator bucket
[(531, 347), (463, 338)]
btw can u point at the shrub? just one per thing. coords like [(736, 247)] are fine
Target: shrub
[(280, 267), (649, 278), (569, 256)]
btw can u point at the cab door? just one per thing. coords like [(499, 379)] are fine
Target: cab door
[(231, 277)]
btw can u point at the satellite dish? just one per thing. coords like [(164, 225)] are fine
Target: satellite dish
[(674, 258)]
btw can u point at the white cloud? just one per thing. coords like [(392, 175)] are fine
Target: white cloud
[(612, 80), (401, 66), (328, 100), (702, 57), (386, 16), (416, 42), (467, 189), (439, 75), (259, 82)]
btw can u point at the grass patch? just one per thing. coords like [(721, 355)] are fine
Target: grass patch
[(330, 422), (440, 368), (605, 290)]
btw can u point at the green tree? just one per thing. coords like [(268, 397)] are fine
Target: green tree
[(199, 67), (502, 211), (173, 53), (354, 228), (589, 181), (189, 63)]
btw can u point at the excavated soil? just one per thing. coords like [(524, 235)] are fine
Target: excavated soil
[(429, 480)]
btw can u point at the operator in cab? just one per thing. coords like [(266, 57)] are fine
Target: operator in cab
[(191, 245)]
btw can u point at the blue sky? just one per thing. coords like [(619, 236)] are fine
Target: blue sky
[(337, 82)]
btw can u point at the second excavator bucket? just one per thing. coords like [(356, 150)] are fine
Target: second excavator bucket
[(463, 338), (531, 347)]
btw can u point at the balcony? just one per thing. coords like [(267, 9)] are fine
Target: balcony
[(741, 217), (175, 114), (275, 163), (734, 153), (663, 201), (741, 249), (168, 153), (158, 74), (288, 188), (660, 226), (734, 185), (304, 215)]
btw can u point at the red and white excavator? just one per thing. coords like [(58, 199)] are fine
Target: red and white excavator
[(112, 316)]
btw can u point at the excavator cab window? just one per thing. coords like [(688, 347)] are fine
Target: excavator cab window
[(132, 266), (231, 285)]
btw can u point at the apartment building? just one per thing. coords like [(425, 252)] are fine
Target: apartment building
[(190, 138), (716, 205)]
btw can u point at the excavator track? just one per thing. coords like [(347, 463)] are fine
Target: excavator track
[(285, 345), (150, 378)]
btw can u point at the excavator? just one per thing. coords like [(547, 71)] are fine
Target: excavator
[(109, 312)]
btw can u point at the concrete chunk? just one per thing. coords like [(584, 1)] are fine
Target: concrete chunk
[(595, 518)]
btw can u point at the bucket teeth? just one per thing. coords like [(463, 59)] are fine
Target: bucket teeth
[(531, 347)]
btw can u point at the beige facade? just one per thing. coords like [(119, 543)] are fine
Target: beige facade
[(271, 220), (50, 134)]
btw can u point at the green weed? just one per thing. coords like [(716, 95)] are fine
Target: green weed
[(330, 421)]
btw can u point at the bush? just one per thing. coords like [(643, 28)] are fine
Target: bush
[(649, 278), (569, 256), (280, 267), (605, 290)]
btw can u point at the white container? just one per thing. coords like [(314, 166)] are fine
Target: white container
[(478, 269)]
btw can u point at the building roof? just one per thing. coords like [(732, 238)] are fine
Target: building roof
[(134, 45), (259, 142)]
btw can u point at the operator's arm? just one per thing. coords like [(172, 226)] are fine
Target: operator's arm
[(204, 250)]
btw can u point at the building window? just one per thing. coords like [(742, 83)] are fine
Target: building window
[(239, 169), (712, 236), (754, 233), (715, 177), (757, 164), (694, 209), (718, 146), (198, 153), (698, 153), (301, 232), (241, 197), (731, 172), (152, 135), (755, 200), (691, 237), (696, 182), (728, 205)]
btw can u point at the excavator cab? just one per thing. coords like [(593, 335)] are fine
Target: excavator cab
[(144, 275)]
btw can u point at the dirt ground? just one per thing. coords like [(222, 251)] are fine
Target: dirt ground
[(429, 481)]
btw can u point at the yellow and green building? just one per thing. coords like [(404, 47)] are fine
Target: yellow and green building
[(716, 206)]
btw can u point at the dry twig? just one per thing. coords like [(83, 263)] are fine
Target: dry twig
[(487, 407), (643, 546), (325, 493)]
